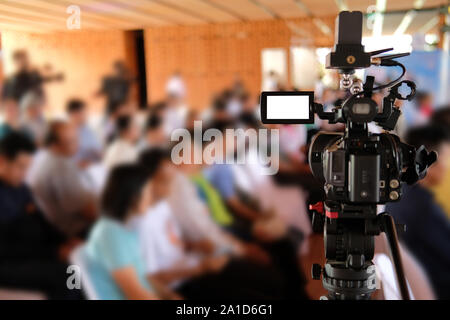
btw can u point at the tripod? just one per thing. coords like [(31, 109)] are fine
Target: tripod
[(349, 273)]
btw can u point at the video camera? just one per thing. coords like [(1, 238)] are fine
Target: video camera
[(359, 169)]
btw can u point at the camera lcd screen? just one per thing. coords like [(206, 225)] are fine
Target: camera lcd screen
[(287, 107)]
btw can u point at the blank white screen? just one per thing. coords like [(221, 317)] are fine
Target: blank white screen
[(288, 107)]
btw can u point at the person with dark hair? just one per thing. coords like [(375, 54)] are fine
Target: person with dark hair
[(116, 87), (427, 228), (248, 116), (199, 268), (154, 135), (115, 265), (123, 149), (58, 185), (89, 148), (25, 79), (16, 152), (30, 248), (441, 117), (219, 110)]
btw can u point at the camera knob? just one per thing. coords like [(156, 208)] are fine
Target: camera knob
[(317, 207), (394, 183), (394, 195), (316, 271)]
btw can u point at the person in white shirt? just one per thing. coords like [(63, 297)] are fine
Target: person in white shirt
[(175, 114), (123, 149), (191, 213), (193, 268), (175, 85), (33, 121)]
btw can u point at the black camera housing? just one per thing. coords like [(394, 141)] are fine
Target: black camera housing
[(360, 169)]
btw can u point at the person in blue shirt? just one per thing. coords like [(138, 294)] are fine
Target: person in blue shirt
[(89, 147), (427, 233), (112, 253)]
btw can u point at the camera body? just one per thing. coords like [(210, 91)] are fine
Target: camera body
[(359, 169)]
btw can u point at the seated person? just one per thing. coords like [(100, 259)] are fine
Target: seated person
[(428, 229), (191, 268), (32, 253), (89, 148), (11, 116), (247, 218), (123, 148), (154, 134), (249, 114), (194, 219), (288, 203), (32, 121), (111, 253), (249, 222), (441, 117), (57, 183)]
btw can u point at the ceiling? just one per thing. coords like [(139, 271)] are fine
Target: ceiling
[(51, 15)]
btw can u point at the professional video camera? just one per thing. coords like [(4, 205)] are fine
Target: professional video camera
[(359, 169)]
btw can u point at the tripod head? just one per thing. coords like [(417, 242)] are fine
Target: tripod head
[(359, 169)]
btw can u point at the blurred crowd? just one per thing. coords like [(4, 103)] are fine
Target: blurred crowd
[(109, 199)]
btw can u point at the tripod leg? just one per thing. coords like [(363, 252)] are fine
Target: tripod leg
[(389, 229)]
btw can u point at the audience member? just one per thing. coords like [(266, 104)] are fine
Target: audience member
[(192, 268), (31, 250), (58, 185), (11, 117), (123, 149), (175, 114), (267, 231), (428, 228), (89, 148), (111, 253), (32, 120), (154, 135)]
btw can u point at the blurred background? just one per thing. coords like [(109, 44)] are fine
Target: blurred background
[(91, 87)]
